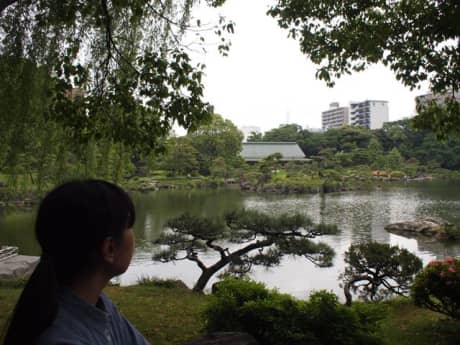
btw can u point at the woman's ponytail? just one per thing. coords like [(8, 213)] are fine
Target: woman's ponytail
[(37, 306)]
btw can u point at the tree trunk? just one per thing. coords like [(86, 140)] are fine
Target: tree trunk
[(347, 293), (203, 280), (208, 273), (348, 285)]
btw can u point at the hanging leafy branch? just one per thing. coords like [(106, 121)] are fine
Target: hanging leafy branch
[(117, 68)]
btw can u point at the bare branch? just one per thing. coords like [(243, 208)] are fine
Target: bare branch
[(216, 248), (193, 256), (248, 248), (110, 43), (172, 22)]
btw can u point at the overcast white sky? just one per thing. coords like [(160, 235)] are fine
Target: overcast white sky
[(266, 81)]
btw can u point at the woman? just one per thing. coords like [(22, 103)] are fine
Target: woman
[(85, 231)]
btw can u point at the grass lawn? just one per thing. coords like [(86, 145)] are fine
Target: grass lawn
[(409, 325), (165, 316), (172, 315)]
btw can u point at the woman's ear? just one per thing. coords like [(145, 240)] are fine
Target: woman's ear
[(108, 250)]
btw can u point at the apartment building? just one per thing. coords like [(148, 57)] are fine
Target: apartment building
[(335, 117), (371, 114)]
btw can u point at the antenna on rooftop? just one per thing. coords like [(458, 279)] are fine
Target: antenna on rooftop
[(288, 117)]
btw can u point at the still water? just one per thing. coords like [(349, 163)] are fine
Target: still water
[(361, 215)]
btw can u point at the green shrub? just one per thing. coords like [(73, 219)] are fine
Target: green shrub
[(397, 174), (240, 290), (158, 282), (279, 319), (331, 186), (298, 183), (437, 287), (332, 175), (452, 231), (370, 315)]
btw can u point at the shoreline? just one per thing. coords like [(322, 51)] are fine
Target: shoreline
[(27, 200)]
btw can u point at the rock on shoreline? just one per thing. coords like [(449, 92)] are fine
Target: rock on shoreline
[(18, 266), (427, 226)]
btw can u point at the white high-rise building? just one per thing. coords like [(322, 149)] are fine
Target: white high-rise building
[(248, 130), (369, 114), (335, 117)]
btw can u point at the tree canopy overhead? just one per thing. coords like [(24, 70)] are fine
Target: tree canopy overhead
[(419, 40), (125, 59)]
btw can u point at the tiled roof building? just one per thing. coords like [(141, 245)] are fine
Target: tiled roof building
[(257, 151)]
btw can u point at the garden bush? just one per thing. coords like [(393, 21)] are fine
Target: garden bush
[(331, 186), (397, 174), (297, 184), (274, 318), (332, 175), (437, 287), (452, 231), (162, 283)]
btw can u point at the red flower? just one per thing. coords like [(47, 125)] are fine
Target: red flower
[(449, 260)]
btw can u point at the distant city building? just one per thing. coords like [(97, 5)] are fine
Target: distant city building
[(335, 117), (314, 130), (369, 114), (74, 93), (248, 130), (438, 98), (254, 152)]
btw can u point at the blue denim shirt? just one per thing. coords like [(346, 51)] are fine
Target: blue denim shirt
[(80, 323)]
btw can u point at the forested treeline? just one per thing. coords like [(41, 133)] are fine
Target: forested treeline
[(37, 153), (390, 147)]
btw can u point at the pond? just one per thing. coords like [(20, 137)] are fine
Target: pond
[(361, 215)]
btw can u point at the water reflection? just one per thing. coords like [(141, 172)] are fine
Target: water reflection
[(16, 229), (361, 216), (154, 209)]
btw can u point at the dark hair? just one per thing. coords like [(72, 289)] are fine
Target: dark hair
[(71, 224)]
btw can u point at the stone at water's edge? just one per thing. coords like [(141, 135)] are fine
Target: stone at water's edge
[(18, 266), (7, 252), (428, 226), (225, 338)]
